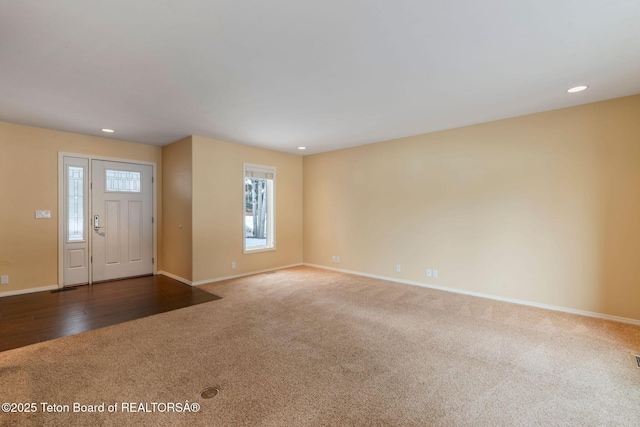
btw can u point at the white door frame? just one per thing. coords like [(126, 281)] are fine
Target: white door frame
[(61, 201)]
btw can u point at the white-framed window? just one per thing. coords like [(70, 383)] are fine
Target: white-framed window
[(258, 208)]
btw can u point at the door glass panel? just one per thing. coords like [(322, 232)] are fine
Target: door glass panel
[(76, 203), (122, 181)]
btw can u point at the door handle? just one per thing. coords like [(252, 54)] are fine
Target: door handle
[(96, 223)]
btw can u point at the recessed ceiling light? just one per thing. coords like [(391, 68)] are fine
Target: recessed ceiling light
[(302, 148), (107, 130), (577, 89)]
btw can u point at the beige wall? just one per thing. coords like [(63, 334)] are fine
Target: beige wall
[(29, 181), (203, 195), (543, 208), (217, 209), (176, 209)]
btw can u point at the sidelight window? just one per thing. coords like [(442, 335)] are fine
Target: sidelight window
[(76, 203)]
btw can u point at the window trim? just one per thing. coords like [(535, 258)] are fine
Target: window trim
[(271, 208)]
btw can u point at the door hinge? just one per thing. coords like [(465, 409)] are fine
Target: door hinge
[(153, 260), (91, 185), (91, 258), (152, 180), (152, 220)]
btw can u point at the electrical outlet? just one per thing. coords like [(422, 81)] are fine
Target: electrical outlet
[(4, 280), (429, 272), (435, 274), (233, 265), (338, 259), (398, 268), (333, 258)]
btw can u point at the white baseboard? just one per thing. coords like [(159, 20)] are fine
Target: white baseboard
[(482, 295), (28, 291), (219, 279), (174, 277)]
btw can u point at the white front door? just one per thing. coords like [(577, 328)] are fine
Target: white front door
[(121, 220)]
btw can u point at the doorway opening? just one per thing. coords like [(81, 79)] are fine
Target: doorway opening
[(107, 228)]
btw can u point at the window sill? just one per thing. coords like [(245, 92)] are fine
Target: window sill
[(260, 249)]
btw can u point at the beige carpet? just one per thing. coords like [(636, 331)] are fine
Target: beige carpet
[(307, 347)]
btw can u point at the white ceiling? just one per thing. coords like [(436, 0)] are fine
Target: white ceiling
[(326, 74)]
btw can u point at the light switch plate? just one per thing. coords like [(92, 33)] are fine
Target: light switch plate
[(4, 280), (43, 214)]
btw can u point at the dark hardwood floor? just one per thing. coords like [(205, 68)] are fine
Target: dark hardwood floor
[(42, 316)]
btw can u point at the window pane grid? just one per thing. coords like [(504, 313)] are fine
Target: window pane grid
[(76, 203), (123, 181)]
